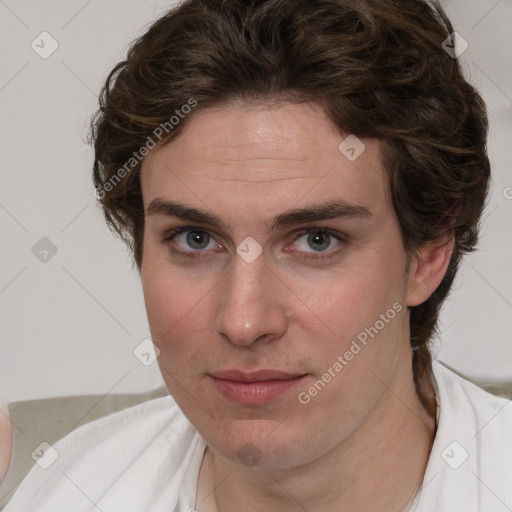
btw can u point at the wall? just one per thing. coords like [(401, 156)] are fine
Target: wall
[(70, 323)]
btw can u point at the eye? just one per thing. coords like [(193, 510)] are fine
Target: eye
[(319, 240), (192, 241)]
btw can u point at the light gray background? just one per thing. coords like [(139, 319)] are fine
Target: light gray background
[(70, 325)]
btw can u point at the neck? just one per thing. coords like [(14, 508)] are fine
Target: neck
[(380, 466)]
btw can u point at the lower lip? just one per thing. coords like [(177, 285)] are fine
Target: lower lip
[(255, 392)]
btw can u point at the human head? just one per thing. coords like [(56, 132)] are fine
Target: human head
[(377, 69)]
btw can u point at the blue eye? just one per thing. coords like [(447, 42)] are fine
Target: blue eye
[(194, 242), (195, 238), (317, 239)]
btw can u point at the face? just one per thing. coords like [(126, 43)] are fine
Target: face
[(274, 355)]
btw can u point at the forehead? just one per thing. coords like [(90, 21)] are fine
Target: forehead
[(280, 130), (264, 158)]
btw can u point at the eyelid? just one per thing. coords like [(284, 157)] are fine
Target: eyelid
[(341, 237), (321, 256), (170, 234), (319, 229)]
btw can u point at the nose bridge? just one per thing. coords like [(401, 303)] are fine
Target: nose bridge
[(248, 309)]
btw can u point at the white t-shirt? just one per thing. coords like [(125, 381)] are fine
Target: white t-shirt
[(147, 459)]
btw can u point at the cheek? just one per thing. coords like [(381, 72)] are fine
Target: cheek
[(357, 348), (366, 298), (162, 304), (360, 321), (353, 298), (177, 310), (362, 310), (176, 324)]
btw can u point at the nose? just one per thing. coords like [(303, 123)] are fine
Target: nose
[(252, 303)]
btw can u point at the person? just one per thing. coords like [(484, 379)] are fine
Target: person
[(5, 439), (298, 182)]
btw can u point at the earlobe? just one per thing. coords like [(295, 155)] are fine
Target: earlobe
[(427, 270)]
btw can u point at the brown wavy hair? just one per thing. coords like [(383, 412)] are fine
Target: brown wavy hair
[(376, 67)]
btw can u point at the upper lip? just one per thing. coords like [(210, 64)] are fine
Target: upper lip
[(256, 376)]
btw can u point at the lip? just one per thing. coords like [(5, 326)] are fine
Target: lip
[(257, 376), (257, 387)]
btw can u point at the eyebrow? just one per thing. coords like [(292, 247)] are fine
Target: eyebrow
[(329, 210)]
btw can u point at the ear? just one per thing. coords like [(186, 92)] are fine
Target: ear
[(427, 269)]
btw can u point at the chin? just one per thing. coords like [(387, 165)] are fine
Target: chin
[(274, 447)]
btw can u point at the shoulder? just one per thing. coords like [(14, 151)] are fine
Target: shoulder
[(464, 398), (128, 430), (109, 455), (471, 459)]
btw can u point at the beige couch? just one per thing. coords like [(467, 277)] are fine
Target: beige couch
[(51, 419)]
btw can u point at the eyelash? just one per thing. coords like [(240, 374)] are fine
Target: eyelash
[(197, 254)]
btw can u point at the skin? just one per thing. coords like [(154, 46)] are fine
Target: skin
[(363, 442), (5, 440)]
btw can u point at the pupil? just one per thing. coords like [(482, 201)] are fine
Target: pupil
[(318, 237), (197, 237)]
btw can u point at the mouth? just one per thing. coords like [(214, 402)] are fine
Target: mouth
[(254, 388)]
